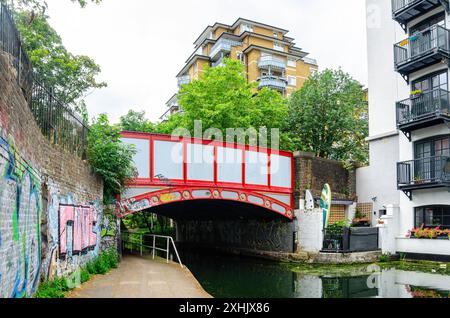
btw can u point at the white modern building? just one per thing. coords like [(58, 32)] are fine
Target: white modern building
[(408, 179)]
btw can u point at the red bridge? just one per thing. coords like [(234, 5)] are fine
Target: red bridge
[(173, 171)]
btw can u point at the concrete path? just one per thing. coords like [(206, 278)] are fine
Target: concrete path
[(142, 277)]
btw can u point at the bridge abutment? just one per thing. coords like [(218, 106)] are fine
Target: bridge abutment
[(259, 235)]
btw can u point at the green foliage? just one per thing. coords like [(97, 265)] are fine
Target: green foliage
[(52, 289), (100, 265), (337, 228), (135, 121), (69, 76), (109, 157), (385, 258), (224, 99), (40, 6), (84, 275), (329, 117)]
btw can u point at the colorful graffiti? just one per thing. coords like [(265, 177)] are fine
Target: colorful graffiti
[(20, 207), (81, 221)]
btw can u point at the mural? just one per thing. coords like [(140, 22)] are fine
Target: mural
[(20, 240), (79, 223)]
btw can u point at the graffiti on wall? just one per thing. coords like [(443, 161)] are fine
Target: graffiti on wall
[(76, 225), (20, 214)]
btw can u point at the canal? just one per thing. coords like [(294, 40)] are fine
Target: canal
[(225, 276)]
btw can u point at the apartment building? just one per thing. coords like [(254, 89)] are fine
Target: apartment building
[(270, 57), (409, 174)]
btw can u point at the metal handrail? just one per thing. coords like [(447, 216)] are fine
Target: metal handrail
[(424, 170), (154, 248), (398, 5), (423, 105), (417, 45)]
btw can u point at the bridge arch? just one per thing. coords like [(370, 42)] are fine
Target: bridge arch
[(163, 197), (178, 169)]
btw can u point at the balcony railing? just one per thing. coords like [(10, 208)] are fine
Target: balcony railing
[(269, 61), (424, 173), (182, 80), (422, 49), (222, 46), (404, 11), (275, 82), (423, 110)]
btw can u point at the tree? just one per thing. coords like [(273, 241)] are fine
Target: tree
[(39, 6), (223, 99), (328, 116), (70, 77), (136, 121), (109, 157)]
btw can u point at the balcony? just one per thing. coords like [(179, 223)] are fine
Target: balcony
[(421, 50), (182, 80), (404, 11), (271, 62), (425, 173), (275, 82), (222, 47), (424, 110)]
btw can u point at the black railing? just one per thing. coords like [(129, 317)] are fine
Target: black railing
[(434, 38), (11, 44), (400, 5), (57, 121), (422, 106), (424, 172)]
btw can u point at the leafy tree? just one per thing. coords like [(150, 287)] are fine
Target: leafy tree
[(69, 76), (39, 6), (136, 121), (328, 116), (109, 157), (224, 99)]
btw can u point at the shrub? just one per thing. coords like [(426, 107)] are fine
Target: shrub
[(52, 289), (385, 258), (84, 275)]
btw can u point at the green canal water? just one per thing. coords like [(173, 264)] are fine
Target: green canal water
[(225, 276)]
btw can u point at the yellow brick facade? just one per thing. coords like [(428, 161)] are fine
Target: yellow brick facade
[(257, 39)]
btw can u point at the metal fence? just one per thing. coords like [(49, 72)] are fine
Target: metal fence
[(432, 103), (423, 171), (57, 121)]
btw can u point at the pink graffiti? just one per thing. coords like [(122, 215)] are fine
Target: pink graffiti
[(82, 221)]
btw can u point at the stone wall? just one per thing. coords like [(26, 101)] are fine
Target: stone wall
[(258, 235), (36, 178), (312, 173)]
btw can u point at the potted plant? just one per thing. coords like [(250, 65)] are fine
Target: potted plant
[(418, 179), (360, 220)]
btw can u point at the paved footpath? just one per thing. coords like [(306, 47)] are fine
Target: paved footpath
[(142, 277)]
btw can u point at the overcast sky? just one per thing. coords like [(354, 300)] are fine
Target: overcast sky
[(141, 45)]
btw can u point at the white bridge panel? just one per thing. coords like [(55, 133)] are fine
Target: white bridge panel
[(256, 168), (168, 159), (229, 165), (200, 162), (142, 157), (281, 171)]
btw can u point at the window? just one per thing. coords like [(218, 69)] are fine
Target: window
[(292, 62), (436, 19), (432, 147), (433, 216), (278, 46), (246, 28), (275, 34), (431, 82), (292, 81), (241, 57)]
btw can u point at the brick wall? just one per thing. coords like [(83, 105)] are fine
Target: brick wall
[(36, 178), (313, 173)]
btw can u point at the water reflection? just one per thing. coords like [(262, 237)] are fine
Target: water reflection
[(236, 277)]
